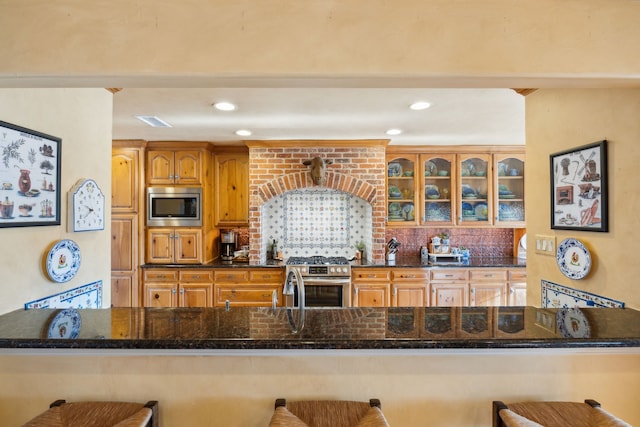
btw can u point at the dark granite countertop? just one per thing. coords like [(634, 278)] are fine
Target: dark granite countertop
[(406, 262), (328, 328)]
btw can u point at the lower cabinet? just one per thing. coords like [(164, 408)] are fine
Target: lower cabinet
[(248, 287), (449, 287), (177, 288), (487, 287), (409, 287), (517, 287), (370, 287)]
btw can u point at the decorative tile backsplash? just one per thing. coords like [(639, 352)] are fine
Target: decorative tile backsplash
[(559, 296), (316, 221), (85, 296)]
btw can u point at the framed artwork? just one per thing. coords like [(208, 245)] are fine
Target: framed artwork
[(579, 188), (29, 177)]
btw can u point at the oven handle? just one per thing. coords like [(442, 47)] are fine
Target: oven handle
[(310, 281)]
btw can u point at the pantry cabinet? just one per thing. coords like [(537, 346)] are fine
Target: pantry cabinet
[(174, 245), (231, 189), (174, 167)]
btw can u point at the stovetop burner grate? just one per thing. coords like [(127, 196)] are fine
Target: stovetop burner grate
[(317, 260)]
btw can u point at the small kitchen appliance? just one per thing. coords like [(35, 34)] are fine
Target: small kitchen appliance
[(227, 245)]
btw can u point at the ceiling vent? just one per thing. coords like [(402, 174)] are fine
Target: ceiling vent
[(154, 121)]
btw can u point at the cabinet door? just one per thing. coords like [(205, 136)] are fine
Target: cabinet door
[(232, 189), (188, 167), (488, 294), (160, 167), (438, 189), (474, 190), (409, 295), (187, 249), (160, 245), (402, 190), (375, 295), (160, 294), (122, 291), (517, 294), (195, 295), (125, 180), (509, 190), (449, 294), (124, 242)]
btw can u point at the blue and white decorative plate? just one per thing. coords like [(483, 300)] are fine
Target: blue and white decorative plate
[(572, 323), (573, 258), (63, 261), (65, 325)]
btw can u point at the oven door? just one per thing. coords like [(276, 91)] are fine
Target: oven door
[(327, 291)]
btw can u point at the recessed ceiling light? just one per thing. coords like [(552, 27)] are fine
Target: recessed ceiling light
[(154, 121), (420, 105), (243, 132), (224, 106), (394, 132)]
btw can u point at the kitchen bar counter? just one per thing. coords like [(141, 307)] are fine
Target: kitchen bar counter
[(363, 328)]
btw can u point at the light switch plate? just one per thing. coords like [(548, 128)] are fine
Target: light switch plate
[(545, 245)]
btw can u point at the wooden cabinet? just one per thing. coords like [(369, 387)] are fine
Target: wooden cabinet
[(487, 287), (370, 287), (127, 243), (231, 189), (449, 287), (439, 189), (178, 288), (474, 189), (402, 190), (509, 190), (517, 287), (409, 287), (177, 245), (248, 287), (187, 323), (174, 167)]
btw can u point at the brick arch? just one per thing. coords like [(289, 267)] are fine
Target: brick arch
[(333, 180)]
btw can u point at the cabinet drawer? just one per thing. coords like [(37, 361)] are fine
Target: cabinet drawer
[(161, 275), (518, 275), (368, 275), (482, 274), (231, 275), (410, 274), (251, 295), (266, 276), (449, 274), (202, 276)]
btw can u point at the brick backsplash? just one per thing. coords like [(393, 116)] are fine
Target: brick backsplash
[(488, 242)]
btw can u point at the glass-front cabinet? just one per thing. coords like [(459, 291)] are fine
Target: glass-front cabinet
[(474, 189), (439, 173), (509, 190), (402, 189)]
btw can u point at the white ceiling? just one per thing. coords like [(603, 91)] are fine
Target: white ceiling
[(456, 116)]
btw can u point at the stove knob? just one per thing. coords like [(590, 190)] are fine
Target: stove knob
[(332, 270)]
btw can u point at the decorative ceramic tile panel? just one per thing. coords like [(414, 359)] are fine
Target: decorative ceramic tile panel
[(317, 221), (559, 296), (86, 296)]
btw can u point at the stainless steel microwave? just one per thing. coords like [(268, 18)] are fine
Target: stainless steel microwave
[(174, 206)]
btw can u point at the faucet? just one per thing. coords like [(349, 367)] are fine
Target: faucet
[(294, 281)]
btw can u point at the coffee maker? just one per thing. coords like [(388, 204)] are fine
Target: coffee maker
[(227, 245)]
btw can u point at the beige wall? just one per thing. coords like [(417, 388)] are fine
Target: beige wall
[(441, 42), (82, 118), (558, 120), (452, 390)]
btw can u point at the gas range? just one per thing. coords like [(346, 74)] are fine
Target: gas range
[(320, 266)]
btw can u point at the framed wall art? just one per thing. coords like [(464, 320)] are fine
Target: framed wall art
[(29, 177), (579, 195)]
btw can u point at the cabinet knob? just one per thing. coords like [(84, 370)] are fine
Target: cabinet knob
[(156, 296)]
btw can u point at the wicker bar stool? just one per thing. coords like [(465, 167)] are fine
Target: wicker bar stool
[(553, 414), (328, 413), (97, 414)]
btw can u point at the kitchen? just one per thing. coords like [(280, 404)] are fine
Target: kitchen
[(447, 388)]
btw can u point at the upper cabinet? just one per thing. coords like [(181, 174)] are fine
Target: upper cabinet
[(509, 190), (402, 190), (231, 185), (463, 186), (438, 191), (174, 167), (125, 179), (474, 189)]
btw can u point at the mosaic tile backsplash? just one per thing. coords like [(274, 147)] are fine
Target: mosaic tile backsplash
[(316, 221)]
